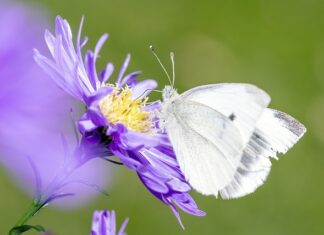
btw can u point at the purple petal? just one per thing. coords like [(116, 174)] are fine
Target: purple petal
[(130, 79), (142, 89), (123, 227), (106, 73), (91, 69), (154, 184), (91, 62), (99, 44), (103, 224), (80, 44), (86, 125), (96, 97), (123, 69), (187, 204), (177, 215), (50, 41), (83, 42), (134, 140)]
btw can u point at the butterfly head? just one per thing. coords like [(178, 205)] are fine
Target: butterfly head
[(169, 93)]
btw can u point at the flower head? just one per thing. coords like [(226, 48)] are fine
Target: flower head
[(118, 120), (104, 223)]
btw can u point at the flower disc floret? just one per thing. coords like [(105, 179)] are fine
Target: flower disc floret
[(119, 107)]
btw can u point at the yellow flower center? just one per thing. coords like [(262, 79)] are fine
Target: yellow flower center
[(120, 108)]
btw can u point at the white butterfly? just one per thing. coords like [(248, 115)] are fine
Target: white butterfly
[(223, 136)]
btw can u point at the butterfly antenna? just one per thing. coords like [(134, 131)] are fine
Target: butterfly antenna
[(159, 61), (147, 91), (173, 68)]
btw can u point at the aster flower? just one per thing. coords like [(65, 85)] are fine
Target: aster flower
[(104, 223), (34, 112), (118, 119)]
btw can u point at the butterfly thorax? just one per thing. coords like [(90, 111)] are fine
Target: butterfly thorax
[(169, 95)]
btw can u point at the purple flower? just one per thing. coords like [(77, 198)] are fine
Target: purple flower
[(104, 223), (118, 120), (34, 112)]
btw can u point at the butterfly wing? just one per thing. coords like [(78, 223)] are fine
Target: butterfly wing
[(233, 117), (207, 145), (275, 132), (242, 103)]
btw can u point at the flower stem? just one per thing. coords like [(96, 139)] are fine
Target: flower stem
[(30, 212)]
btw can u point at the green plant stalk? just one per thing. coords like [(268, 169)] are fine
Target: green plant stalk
[(30, 212)]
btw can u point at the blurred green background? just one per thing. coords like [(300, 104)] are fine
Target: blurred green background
[(277, 45)]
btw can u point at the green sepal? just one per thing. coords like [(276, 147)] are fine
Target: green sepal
[(24, 228)]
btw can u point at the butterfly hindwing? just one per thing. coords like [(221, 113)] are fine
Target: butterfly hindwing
[(276, 132)]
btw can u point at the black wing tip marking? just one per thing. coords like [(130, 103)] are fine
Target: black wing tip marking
[(290, 123)]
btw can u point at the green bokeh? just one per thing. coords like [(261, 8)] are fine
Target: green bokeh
[(277, 45)]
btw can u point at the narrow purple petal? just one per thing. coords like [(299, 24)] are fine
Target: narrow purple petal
[(106, 73), (123, 227), (91, 70), (99, 44), (112, 222), (103, 224), (83, 42), (91, 62), (123, 69), (50, 41), (63, 29), (80, 44)]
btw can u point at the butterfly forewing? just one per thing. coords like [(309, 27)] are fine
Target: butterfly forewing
[(207, 145)]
